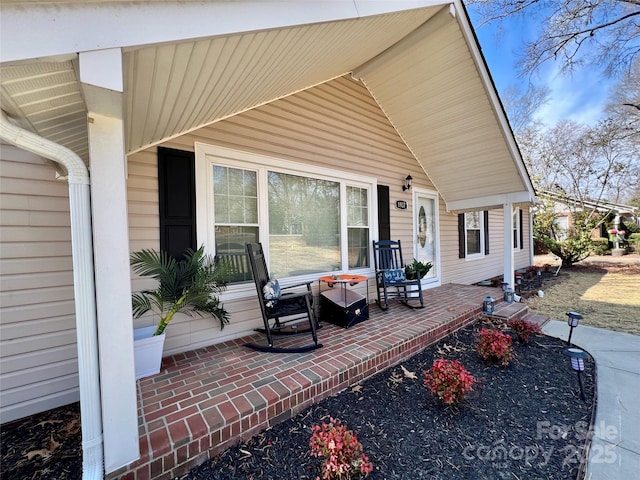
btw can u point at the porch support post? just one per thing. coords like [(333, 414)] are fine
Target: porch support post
[(101, 77), (530, 237), (507, 212)]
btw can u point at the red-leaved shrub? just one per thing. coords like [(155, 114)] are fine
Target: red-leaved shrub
[(494, 346), (342, 452), (449, 380), (524, 329)]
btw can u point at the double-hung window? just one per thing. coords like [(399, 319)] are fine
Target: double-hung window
[(358, 226), (473, 229), (473, 234), (310, 220)]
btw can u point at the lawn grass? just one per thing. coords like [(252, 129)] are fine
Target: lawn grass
[(607, 295)]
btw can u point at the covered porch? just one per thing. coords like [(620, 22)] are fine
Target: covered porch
[(111, 100), (207, 400)]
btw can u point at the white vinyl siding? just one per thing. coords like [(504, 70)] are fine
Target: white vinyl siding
[(38, 354)]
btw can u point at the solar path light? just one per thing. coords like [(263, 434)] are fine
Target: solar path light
[(573, 321), (577, 363)]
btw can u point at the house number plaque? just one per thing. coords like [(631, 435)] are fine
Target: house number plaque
[(401, 204)]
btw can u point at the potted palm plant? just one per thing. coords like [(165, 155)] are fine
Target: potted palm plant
[(191, 285)]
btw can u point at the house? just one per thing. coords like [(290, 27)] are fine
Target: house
[(565, 207), (130, 125)]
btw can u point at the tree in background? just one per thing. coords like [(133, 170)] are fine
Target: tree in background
[(603, 34), (582, 164)]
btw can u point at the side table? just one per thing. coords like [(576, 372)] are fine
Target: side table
[(343, 306)]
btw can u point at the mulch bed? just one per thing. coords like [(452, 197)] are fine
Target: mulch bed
[(43, 446), (526, 421)]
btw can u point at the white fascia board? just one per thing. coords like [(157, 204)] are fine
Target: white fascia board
[(489, 86), (490, 202), (377, 7), (29, 31)]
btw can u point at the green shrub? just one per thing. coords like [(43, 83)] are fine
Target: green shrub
[(600, 245), (634, 242)]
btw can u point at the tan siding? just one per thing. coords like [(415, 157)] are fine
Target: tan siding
[(38, 354), (460, 270), (522, 256), (336, 125)]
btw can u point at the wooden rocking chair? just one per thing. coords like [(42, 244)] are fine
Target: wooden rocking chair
[(391, 281), (283, 313)]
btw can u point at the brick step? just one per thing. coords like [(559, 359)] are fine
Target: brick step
[(508, 311)]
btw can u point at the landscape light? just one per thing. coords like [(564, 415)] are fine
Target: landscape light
[(572, 321), (577, 363)]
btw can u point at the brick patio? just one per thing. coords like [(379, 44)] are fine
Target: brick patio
[(205, 401)]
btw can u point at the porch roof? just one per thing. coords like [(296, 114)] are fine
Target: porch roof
[(422, 65)]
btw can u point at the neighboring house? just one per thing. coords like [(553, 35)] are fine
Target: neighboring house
[(214, 123), (565, 207)]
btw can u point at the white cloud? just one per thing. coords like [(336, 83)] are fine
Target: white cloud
[(580, 97)]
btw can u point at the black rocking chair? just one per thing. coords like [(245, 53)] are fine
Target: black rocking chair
[(284, 314), (391, 281)]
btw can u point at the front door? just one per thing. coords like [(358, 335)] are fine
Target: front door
[(425, 222)]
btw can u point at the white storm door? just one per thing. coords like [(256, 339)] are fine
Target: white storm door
[(426, 247)]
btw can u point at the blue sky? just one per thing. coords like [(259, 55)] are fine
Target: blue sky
[(581, 97)]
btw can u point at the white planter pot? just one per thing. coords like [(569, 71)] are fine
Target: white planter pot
[(147, 351)]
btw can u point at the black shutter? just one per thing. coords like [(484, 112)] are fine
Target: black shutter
[(486, 232), (521, 229), (384, 213), (462, 251), (177, 198)]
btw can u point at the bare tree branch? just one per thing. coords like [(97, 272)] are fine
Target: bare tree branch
[(601, 33)]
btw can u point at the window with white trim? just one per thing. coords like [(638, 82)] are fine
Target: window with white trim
[(358, 226), (473, 234), (309, 220)]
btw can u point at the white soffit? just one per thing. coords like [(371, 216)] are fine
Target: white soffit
[(429, 87), (176, 88), (46, 97)]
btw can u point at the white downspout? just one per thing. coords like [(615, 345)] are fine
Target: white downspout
[(83, 287)]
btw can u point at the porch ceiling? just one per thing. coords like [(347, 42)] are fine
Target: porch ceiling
[(417, 63), (173, 89), (439, 98)]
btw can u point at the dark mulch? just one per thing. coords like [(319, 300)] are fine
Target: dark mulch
[(527, 421), (43, 446)]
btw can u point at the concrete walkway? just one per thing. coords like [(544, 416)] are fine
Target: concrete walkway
[(615, 447)]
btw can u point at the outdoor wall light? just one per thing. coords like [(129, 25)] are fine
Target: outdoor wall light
[(488, 306), (577, 363), (572, 321), (407, 185)]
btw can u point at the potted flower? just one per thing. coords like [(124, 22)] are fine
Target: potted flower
[(416, 270), (190, 285)]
